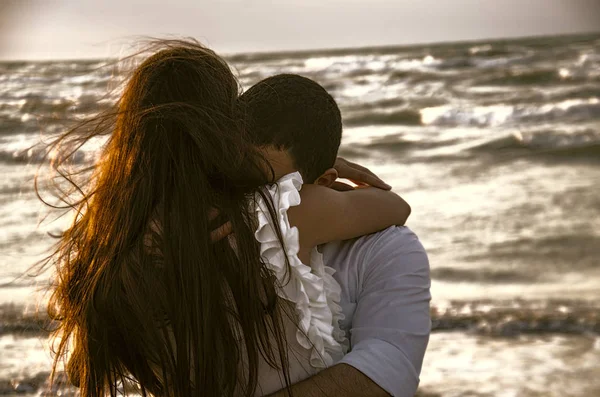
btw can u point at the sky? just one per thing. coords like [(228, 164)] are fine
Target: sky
[(58, 29)]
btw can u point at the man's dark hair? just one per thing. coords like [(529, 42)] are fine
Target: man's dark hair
[(295, 113)]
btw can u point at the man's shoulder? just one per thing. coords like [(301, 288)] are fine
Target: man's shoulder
[(398, 235), (394, 236), (393, 241)]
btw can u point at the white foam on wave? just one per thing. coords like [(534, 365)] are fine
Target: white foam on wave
[(366, 134), (567, 104), (375, 63), (82, 79), (564, 73), (414, 64), (478, 115), (346, 64), (480, 49), (322, 63), (500, 114)]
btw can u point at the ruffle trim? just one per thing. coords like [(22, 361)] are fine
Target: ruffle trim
[(313, 289)]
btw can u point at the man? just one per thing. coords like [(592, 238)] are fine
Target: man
[(384, 276)]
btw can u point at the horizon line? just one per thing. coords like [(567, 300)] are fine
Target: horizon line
[(342, 49)]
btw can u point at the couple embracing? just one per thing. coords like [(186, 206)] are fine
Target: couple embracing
[(215, 253)]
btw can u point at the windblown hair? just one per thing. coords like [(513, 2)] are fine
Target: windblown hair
[(295, 113), (142, 295)]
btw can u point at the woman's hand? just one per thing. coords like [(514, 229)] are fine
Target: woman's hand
[(220, 232), (358, 174)]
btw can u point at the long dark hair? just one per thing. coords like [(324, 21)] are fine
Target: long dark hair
[(142, 295)]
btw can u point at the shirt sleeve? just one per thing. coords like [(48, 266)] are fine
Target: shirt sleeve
[(391, 325)]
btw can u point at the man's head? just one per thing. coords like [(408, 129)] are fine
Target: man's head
[(295, 114)]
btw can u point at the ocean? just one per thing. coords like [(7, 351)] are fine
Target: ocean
[(496, 146)]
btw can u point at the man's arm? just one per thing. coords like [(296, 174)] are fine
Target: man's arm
[(335, 381), (391, 323)]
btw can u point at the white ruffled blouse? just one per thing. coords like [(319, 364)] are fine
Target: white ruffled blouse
[(312, 289)]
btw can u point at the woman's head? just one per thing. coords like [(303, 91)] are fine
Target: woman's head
[(183, 94), (141, 291)]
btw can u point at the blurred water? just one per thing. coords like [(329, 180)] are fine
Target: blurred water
[(496, 145)]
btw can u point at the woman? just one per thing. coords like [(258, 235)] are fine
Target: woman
[(176, 153), (147, 295)]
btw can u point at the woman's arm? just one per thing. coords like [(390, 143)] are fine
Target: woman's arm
[(328, 215)]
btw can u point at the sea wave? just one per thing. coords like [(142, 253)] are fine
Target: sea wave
[(36, 383), (489, 96), (555, 145), (39, 384), (38, 154), (513, 318), (572, 110), (21, 157), (550, 255), (392, 117), (12, 125), (487, 317), (484, 275), (20, 320), (550, 76), (546, 144)]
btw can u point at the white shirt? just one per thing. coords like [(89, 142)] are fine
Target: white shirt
[(316, 341), (385, 299)]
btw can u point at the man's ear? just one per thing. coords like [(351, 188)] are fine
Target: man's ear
[(327, 178)]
